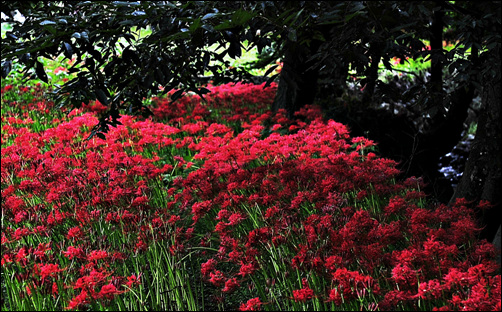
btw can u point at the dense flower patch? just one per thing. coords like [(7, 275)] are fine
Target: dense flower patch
[(222, 204)]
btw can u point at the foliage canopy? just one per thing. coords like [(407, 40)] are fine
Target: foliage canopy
[(120, 64)]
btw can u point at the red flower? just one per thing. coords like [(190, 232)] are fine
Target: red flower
[(75, 232), (208, 266), (42, 249), (396, 205), (303, 294), (335, 296), (97, 255), (251, 305), (48, 270), (404, 275), (54, 289), (132, 281), (247, 269), (230, 285), (429, 289), (73, 252), (78, 301), (217, 278), (108, 291)]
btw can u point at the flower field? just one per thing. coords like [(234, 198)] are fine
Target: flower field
[(222, 205)]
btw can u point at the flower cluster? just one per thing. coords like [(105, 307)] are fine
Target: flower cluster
[(294, 207)]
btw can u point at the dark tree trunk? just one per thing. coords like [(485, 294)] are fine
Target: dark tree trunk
[(437, 58), (443, 135), (297, 81), (446, 126), (481, 179), (372, 75)]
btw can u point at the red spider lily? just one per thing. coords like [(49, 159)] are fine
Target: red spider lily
[(314, 194), (132, 281), (108, 291), (303, 294), (54, 289), (73, 252), (208, 267), (46, 270), (217, 278), (78, 302), (97, 255), (247, 268), (251, 305), (231, 285)]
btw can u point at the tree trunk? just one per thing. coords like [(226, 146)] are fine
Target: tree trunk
[(481, 179), (437, 59), (297, 82), (372, 76)]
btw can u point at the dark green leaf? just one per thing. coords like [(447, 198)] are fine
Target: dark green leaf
[(85, 36), (138, 13), (101, 136), (292, 35), (208, 27), (101, 96), (270, 80), (224, 25), (208, 15), (206, 59), (271, 69), (90, 64), (126, 23), (45, 23), (196, 24), (67, 50), (240, 17), (387, 64), (130, 55), (6, 68), (204, 90), (39, 70), (176, 95), (146, 112)]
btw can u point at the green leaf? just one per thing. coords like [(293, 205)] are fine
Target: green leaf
[(270, 80), (138, 13), (101, 96), (67, 50), (176, 95), (292, 35), (271, 69), (6, 68), (204, 91), (240, 17), (47, 22), (85, 36), (207, 16), (195, 25), (126, 23), (224, 25), (39, 70), (101, 136)]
